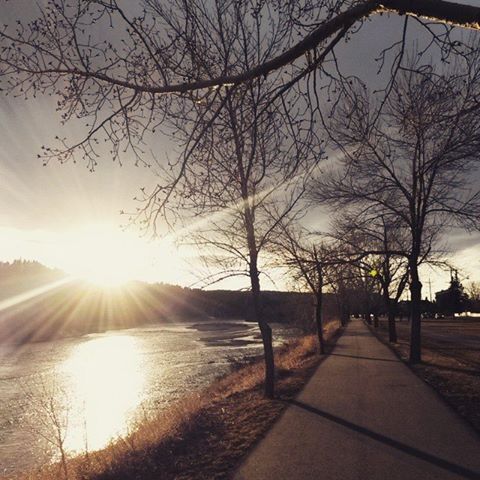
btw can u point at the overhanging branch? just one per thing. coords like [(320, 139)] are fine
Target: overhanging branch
[(465, 16)]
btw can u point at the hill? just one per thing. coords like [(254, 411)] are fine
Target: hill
[(42, 304), (20, 276)]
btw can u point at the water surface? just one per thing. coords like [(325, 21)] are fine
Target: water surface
[(84, 392)]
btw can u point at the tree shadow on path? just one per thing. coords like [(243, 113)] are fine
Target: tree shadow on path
[(366, 358), (415, 452)]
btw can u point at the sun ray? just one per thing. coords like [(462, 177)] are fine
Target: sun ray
[(274, 189), (33, 293)]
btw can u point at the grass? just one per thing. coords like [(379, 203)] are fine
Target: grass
[(206, 434), (450, 361)]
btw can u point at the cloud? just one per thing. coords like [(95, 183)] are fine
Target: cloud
[(460, 241)]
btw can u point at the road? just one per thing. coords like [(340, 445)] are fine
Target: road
[(365, 416)]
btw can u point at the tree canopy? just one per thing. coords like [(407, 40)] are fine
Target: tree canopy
[(110, 63)]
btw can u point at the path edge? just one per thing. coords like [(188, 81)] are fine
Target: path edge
[(330, 347), (437, 393)]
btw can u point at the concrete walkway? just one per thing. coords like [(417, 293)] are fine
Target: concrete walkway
[(365, 416)]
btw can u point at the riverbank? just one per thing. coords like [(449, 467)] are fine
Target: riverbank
[(205, 435), (72, 307), (450, 362)]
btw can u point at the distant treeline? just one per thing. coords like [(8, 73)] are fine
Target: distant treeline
[(77, 308), (23, 275)]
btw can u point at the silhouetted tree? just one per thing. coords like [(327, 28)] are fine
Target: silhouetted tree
[(111, 64), (473, 292), (247, 166), (152, 63), (310, 263), (453, 299), (411, 157), (378, 246), (348, 288)]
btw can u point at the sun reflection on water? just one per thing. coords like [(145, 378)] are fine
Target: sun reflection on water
[(106, 384)]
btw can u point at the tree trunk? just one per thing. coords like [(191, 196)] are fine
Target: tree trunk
[(392, 328), (343, 306), (319, 302), (390, 307), (63, 457), (375, 320), (344, 313), (266, 333), (265, 329), (415, 314), (319, 321)]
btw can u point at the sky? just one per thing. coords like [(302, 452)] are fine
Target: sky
[(67, 217)]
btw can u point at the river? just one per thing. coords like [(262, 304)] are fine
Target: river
[(91, 389)]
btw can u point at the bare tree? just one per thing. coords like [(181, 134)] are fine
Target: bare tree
[(412, 158), (379, 246), (238, 188), (473, 291), (45, 408), (110, 63), (60, 47), (245, 166), (310, 263)]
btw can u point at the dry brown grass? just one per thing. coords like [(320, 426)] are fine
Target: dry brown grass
[(205, 435), (448, 365)]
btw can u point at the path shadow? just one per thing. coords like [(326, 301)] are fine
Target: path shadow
[(366, 358), (415, 452), (357, 334)]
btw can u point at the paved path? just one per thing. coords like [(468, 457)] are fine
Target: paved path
[(365, 416)]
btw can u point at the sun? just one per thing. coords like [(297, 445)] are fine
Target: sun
[(109, 257), (105, 256), (105, 279)]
